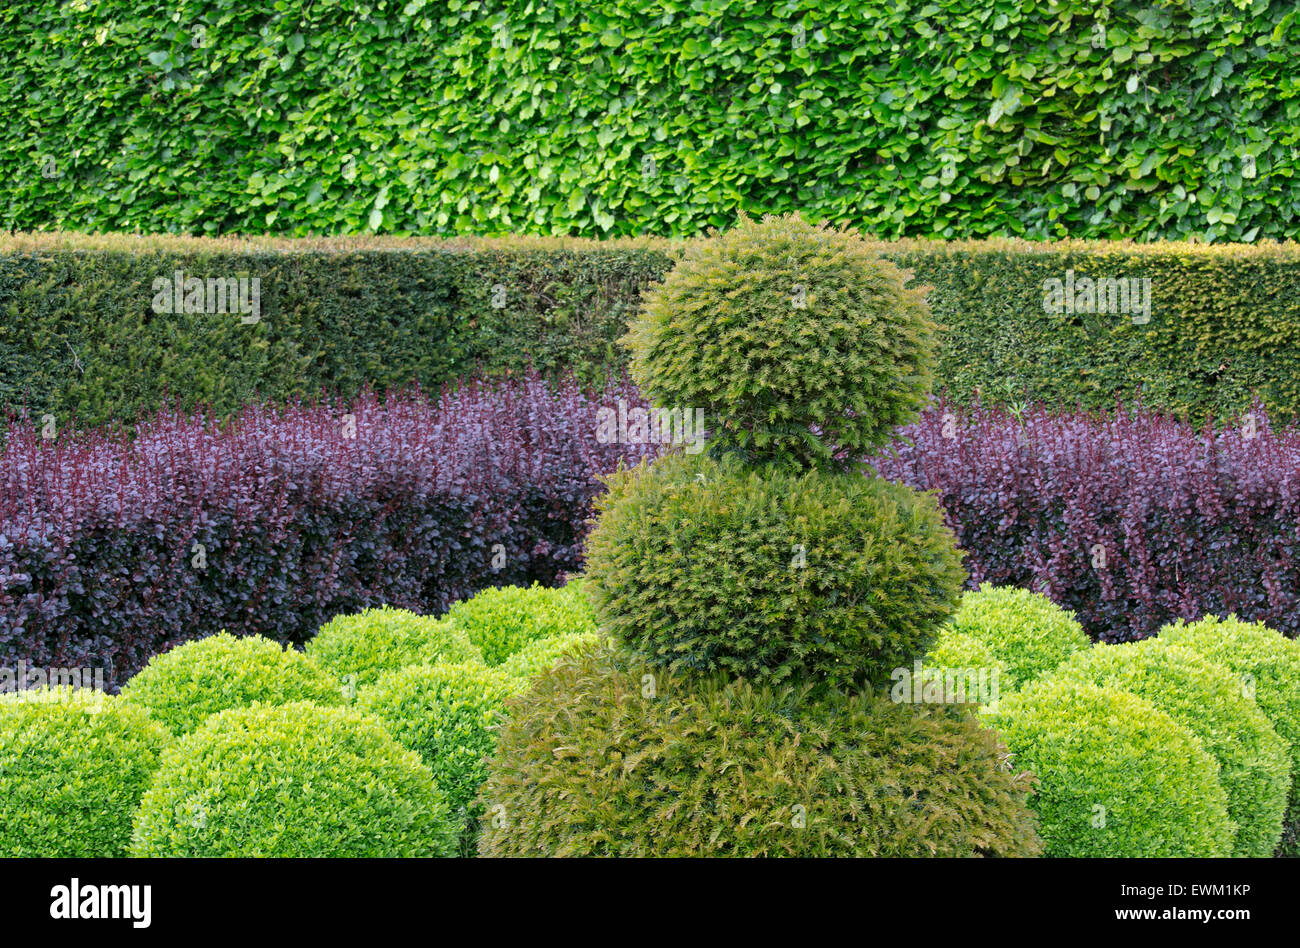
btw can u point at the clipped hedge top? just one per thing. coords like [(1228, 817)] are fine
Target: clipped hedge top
[(62, 240)]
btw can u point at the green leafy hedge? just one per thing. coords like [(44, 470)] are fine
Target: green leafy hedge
[(941, 118), (78, 334)]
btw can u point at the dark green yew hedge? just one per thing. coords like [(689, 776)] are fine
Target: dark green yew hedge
[(79, 334), (944, 118)]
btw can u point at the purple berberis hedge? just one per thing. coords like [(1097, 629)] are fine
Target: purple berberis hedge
[(113, 548), (1131, 520)]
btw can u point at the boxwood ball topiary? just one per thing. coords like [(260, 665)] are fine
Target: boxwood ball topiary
[(73, 766), (607, 757), (537, 657), (1026, 631), (292, 780), (182, 687), (1207, 699), (1267, 665), (704, 564), (448, 714), (794, 339), (1116, 776), (503, 619), (358, 648)]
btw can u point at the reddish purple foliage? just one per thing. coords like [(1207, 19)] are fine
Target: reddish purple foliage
[(1180, 522), (298, 523)]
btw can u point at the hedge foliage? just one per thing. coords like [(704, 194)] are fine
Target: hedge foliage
[(502, 620), (79, 337), (608, 757), (1027, 632), (114, 549), (1208, 700), (359, 648), (73, 766), (449, 714), (293, 780), (1115, 775), (713, 565), (182, 687), (614, 117), (1268, 669)]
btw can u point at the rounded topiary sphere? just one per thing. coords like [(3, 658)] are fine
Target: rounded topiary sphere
[(73, 766), (607, 757), (1116, 776), (358, 648), (182, 687), (970, 659), (448, 714), (292, 780), (794, 339), (537, 657), (503, 619), (709, 565), (1026, 631), (1254, 766), (1267, 665)]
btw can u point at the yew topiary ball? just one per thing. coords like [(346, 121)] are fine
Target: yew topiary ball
[(710, 565), (794, 339), (609, 757)]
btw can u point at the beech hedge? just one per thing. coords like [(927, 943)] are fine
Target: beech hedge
[(945, 118)]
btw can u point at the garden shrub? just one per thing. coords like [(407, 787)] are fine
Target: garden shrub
[(541, 655), (503, 619), (1268, 669), (1027, 632), (709, 565), (957, 650), (279, 521), (448, 714), (79, 340), (1116, 776), (795, 341), (182, 687), (357, 649), (608, 117), (73, 765), (607, 757), (292, 780), (1130, 519), (1207, 699)]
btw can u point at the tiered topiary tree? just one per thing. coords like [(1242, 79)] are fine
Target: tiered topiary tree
[(761, 595)]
